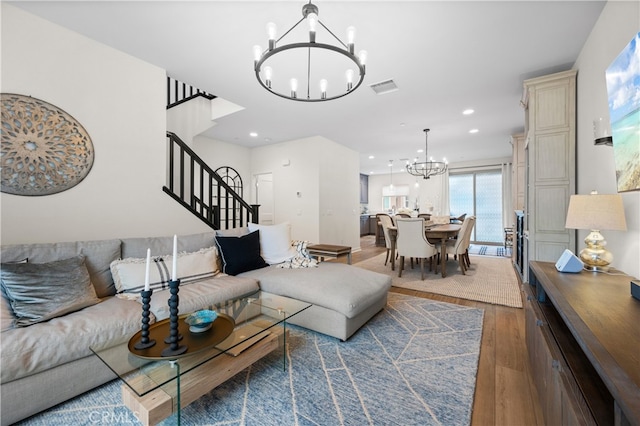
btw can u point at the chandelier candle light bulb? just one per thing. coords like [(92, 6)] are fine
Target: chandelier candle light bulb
[(323, 88), (351, 36), (271, 31), (312, 18), (349, 75)]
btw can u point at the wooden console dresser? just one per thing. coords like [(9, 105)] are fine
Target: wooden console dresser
[(583, 340)]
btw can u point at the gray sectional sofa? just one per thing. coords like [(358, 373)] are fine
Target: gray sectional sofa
[(48, 362)]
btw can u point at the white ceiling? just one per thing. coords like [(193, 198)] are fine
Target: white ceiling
[(445, 56)]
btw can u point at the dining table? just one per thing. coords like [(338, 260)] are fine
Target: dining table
[(433, 234)]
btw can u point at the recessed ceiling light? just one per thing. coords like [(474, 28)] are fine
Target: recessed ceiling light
[(370, 173), (468, 111), (420, 150), (253, 134), (267, 139), (371, 157), (473, 131)]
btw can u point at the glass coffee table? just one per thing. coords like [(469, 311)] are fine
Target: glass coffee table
[(158, 387)]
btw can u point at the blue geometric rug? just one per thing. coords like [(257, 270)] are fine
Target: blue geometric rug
[(415, 363), (482, 250)]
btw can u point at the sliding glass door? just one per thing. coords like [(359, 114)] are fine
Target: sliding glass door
[(479, 194)]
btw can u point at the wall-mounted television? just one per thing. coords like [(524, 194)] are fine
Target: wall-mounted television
[(623, 89)]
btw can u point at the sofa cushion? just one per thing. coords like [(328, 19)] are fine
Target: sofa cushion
[(233, 232), (6, 315), (161, 246), (128, 274), (98, 256), (45, 345), (275, 242), (240, 254), (204, 294), (38, 292), (343, 288)]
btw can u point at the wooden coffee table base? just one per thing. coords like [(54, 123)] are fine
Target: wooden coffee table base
[(159, 404)]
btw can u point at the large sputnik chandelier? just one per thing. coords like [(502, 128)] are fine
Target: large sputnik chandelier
[(294, 60), (429, 167)]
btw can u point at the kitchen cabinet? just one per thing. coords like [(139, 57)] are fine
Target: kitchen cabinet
[(373, 225), (364, 225), (364, 189)]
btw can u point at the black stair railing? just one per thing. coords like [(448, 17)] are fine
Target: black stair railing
[(179, 92), (198, 188)]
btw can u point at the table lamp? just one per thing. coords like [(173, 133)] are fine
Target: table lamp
[(596, 212)]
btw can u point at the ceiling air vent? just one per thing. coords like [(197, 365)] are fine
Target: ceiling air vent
[(383, 87)]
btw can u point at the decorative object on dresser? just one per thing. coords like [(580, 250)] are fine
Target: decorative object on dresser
[(44, 149), (340, 55), (596, 212)]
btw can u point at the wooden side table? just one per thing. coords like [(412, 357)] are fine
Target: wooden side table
[(329, 250)]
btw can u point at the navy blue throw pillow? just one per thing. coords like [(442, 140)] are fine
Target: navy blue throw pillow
[(240, 254)]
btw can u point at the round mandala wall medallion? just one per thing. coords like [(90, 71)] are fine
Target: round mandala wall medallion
[(44, 149)]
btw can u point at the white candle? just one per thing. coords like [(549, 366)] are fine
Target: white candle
[(146, 272), (174, 272)]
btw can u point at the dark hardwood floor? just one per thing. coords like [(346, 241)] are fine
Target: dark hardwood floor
[(505, 393)]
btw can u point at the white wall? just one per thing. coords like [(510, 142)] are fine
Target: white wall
[(316, 186), (617, 25), (120, 101), (339, 195)]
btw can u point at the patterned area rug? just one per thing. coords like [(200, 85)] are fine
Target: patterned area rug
[(489, 250), (415, 363), (489, 279)]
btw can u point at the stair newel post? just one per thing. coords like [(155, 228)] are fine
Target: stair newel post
[(255, 218)]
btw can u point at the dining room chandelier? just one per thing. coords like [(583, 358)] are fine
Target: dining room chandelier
[(292, 61), (429, 167)]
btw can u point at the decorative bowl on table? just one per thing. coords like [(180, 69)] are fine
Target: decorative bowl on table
[(200, 321)]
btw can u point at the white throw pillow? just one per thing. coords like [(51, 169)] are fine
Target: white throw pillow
[(128, 274), (275, 242)]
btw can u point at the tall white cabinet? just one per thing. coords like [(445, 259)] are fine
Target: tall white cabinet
[(550, 157), (518, 170)]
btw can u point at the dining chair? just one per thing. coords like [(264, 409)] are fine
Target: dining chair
[(411, 242), (385, 222), (425, 216), (459, 247), (440, 220)]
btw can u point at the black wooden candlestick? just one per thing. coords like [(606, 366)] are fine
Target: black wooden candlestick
[(174, 335), (144, 341)]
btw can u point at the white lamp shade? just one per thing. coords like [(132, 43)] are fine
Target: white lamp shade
[(596, 211)]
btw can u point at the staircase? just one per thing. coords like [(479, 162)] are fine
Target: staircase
[(197, 187), (179, 92)]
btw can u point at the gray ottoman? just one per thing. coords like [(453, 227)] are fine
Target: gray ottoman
[(344, 297)]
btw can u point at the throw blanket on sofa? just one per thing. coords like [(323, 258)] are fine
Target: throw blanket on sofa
[(302, 259)]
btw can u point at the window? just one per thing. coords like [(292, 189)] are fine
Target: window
[(479, 194)]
